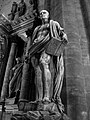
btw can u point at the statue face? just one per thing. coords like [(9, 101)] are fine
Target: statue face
[(44, 14)]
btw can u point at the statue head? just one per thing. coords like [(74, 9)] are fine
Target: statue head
[(14, 3), (44, 14)]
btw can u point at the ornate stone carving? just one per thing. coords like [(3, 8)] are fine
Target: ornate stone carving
[(48, 68), (13, 11), (5, 24), (21, 13), (21, 8)]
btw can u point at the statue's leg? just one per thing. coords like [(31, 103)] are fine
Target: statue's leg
[(38, 79), (38, 83), (46, 75)]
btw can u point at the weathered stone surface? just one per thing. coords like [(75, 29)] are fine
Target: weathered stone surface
[(39, 115)]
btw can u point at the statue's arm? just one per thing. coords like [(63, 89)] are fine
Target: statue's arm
[(63, 35), (61, 32), (34, 35), (30, 43)]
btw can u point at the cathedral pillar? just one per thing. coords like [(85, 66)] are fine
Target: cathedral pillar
[(75, 81), (11, 58)]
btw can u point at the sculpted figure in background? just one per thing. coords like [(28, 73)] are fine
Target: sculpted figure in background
[(21, 8), (49, 68), (13, 11), (15, 78), (14, 7)]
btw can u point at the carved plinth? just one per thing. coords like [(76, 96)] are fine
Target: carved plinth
[(39, 115), (39, 106), (27, 106)]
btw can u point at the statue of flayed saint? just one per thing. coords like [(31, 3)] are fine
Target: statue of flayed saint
[(46, 56)]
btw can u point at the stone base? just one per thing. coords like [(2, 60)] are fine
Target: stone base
[(39, 111), (37, 106), (10, 101), (39, 115)]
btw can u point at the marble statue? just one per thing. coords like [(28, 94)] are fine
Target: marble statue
[(48, 67), (45, 55)]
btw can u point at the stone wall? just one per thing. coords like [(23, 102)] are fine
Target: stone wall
[(85, 7)]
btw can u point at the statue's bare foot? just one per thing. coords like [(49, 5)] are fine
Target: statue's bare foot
[(46, 100)]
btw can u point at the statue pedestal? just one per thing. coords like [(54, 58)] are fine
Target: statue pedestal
[(40, 110), (39, 115), (37, 106)]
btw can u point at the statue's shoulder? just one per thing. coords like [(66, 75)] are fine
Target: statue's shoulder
[(57, 24), (54, 22)]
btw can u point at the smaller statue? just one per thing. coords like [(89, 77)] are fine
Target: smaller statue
[(15, 78), (13, 11), (14, 7), (21, 8), (31, 2)]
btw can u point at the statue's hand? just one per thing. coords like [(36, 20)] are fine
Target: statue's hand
[(65, 39)]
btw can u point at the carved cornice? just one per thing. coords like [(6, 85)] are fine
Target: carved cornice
[(17, 26), (14, 27), (5, 24), (21, 24), (24, 23)]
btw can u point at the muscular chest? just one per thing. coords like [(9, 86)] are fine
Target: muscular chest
[(43, 30)]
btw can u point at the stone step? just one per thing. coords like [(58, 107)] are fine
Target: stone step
[(10, 109)]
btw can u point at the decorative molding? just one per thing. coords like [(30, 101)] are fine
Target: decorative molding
[(23, 26), (20, 25), (5, 24), (25, 21), (12, 27)]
